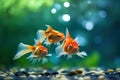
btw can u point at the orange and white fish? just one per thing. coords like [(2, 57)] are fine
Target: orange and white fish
[(39, 52), (50, 36), (69, 47)]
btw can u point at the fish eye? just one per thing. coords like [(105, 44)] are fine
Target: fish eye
[(58, 36), (70, 46), (40, 49)]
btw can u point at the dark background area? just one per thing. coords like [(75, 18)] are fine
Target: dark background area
[(96, 22)]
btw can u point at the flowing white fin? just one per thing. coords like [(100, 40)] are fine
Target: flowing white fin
[(49, 28), (57, 43), (35, 42), (49, 55), (67, 31), (69, 56), (44, 60), (41, 35), (39, 59), (77, 39), (46, 42), (22, 50), (32, 58), (82, 54), (59, 51)]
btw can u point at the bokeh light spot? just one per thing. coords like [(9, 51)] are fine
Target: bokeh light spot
[(57, 6), (53, 10), (102, 14), (89, 25), (66, 17), (66, 4)]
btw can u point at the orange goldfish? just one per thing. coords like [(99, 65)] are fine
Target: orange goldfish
[(50, 36), (38, 52), (69, 47)]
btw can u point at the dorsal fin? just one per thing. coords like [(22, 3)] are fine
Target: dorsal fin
[(37, 43), (67, 33), (49, 28)]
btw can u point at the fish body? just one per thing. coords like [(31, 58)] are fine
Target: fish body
[(50, 36), (38, 52), (69, 47)]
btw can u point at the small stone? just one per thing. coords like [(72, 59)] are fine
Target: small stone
[(22, 69), (32, 73), (86, 78), (32, 77), (110, 70), (8, 78), (43, 78), (1, 72), (22, 77), (101, 77), (81, 78), (79, 71), (118, 70)]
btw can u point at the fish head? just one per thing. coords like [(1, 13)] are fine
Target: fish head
[(71, 47), (59, 37), (55, 37), (41, 51)]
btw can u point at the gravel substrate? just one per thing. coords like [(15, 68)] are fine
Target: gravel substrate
[(60, 74)]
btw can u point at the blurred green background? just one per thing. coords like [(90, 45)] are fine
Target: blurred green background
[(96, 22)]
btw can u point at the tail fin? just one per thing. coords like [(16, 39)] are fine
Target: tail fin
[(82, 54), (22, 50), (41, 35)]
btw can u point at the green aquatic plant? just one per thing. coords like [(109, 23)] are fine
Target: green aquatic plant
[(92, 60)]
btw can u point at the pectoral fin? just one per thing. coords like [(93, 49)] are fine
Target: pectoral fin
[(82, 54), (59, 51)]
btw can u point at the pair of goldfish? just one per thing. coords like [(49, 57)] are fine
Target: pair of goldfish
[(50, 36)]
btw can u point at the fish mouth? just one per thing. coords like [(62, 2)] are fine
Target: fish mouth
[(75, 50)]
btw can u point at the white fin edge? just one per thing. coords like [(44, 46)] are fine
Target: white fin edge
[(82, 54), (46, 42), (59, 51), (22, 50), (49, 55), (69, 56), (41, 35), (67, 31)]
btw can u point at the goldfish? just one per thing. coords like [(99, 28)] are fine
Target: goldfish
[(69, 47), (38, 52), (50, 36)]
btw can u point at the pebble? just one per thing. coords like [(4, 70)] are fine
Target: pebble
[(86, 78), (101, 77), (110, 70), (60, 74)]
